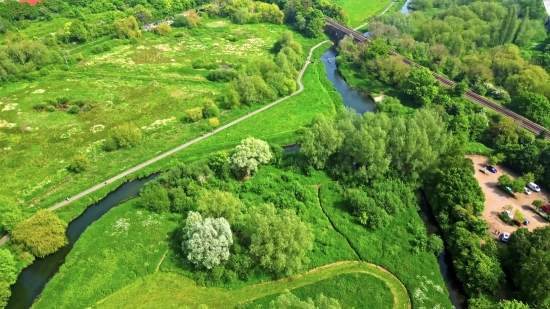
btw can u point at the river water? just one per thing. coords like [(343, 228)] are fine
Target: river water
[(32, 280), (405, 8)]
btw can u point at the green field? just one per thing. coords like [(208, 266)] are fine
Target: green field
[(360, 10), (149, 84)]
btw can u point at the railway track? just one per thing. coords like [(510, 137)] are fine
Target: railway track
[(470, 95)]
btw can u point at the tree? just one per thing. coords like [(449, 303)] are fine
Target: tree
[(154, 197), (518, 216), (533, 105), (79, 163), (422, 86), (77, 31), (288, 300), (214, 122), (505, 181), (219, 165), (279, 240), (11, 218), (143, 15), (218, 204), (249, 155), (320, 141), (5, 293), (8, 271), (163, 29), (511, 304), (435, 245), (127, 28), (123, 136), (195, 114), (206, 242), (460, 88), (42, 234), (365, 207)]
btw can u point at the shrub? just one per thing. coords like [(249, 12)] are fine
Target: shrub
[(50, 108), (435, 244), (505, 181), (5, 294), (40, 107), (12, 218), (214, 122), (73, 110), (79, 103), (221, 75), (210, 109), (62, 100), (123, 136), (537, 203), (154, 197), (79, 163), (86, 108), (163, 29), (195, 114), (518, 216), (218, 204), (42, 234), (7, 267)]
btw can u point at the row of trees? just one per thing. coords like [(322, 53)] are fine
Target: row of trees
[(247, 11)]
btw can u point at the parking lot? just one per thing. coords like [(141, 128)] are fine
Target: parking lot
[(496, 199)]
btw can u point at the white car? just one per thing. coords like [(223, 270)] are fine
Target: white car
[(527, 191), (534, 187), (505, 236), (509, 214)]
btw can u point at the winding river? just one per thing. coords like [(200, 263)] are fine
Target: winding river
[(33, 279)]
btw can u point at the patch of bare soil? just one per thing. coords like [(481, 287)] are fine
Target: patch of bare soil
[(496, 199)]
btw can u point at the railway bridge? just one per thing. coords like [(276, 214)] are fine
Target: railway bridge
[(341, 31)]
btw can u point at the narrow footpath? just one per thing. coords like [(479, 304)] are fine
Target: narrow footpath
[(196, 140)]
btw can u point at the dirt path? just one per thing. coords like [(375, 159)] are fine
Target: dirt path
[(153, 290), (496, 199), (196, 140)]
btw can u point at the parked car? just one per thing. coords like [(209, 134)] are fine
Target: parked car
[(509, 214), (526, 222), (533, 186), (505, 236), (527, 191), (492, 169)]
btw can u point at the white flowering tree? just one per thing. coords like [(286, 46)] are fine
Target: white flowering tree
[(249, 155), (206, 242)]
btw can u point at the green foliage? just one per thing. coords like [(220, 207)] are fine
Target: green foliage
[(249, 155), (497, 158), (123, 136), (279, 240), (8, 272), (127, 28), (194, 114), (505, 181), (321, 140), (42, 234), (537, 203), (218, 204), (534, 106), (11, 218), (206, 242), (154, 197), (5, 294), (422, 86), (210, 109), (191, 20), (163, 29), (435, 244), (78, 164), (219, 165)]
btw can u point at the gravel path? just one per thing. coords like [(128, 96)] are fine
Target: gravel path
[(198, 139)]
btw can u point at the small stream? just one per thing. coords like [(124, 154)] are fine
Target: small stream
[(405, 8), (33, 279)]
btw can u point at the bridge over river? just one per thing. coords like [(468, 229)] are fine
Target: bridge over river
[(341, 31)]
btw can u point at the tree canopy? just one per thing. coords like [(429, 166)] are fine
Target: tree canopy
[(42, 234)]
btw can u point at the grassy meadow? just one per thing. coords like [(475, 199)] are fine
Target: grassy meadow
[(150, 84), (360, 10)]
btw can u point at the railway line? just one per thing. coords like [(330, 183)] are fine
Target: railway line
[(470, 95)]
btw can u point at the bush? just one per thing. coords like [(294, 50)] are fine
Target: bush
[(42, 234), (79, 163), (154, 197), (214, 122), (210, 109), (123, 136), (537, 203), (40, 107), (435, 244), (195, 114), (163, 29), (221, 75), (12, 218), (7, 267), (74, 110), (50, 108), (201, 64)]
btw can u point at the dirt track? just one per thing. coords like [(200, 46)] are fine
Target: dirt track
[(496, 199)]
